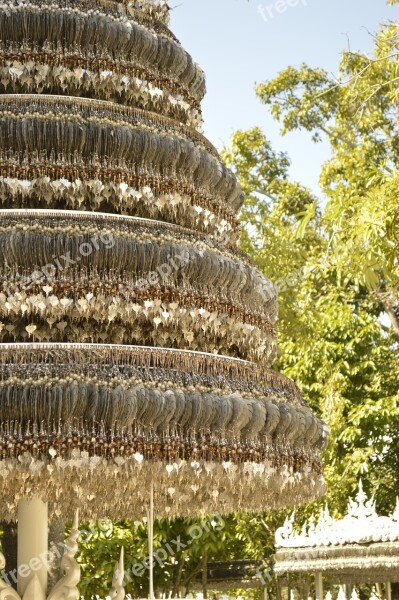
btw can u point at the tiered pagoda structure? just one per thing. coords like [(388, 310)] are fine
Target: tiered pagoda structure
[(137, 340)]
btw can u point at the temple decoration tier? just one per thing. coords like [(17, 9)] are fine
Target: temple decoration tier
[(137, 339), (102, 421), (77, 276), (74, 153), (362, 547), (98, 49)]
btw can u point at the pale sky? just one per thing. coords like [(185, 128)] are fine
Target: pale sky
[(237, 47)]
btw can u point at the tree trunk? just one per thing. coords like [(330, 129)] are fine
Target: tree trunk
[(205, 575), (177, 584), (191, 576)]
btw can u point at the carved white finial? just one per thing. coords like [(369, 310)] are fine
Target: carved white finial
[(341, 593), (6, 591), (66, 588), (374, 595), (395, 514), (117, 591), (284, 533), (355, 595), (361, 496), (34, 591)]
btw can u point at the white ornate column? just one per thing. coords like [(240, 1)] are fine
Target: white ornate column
[(32, 543), (319, 586), (388, 590)]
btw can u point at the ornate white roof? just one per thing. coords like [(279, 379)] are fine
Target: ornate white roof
[(361, 525)]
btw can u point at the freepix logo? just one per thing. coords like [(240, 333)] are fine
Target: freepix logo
[(270, 11)]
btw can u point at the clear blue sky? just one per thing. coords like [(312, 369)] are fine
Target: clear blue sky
[(237, 47)]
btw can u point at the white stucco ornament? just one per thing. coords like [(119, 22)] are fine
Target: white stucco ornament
[(66, 588), (361, 525)]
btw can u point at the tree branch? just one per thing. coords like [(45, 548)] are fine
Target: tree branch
[(388, 302), (177, 584)]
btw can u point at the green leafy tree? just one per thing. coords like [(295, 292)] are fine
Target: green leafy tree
[(357, 113), (331, 339), (182, 548)]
